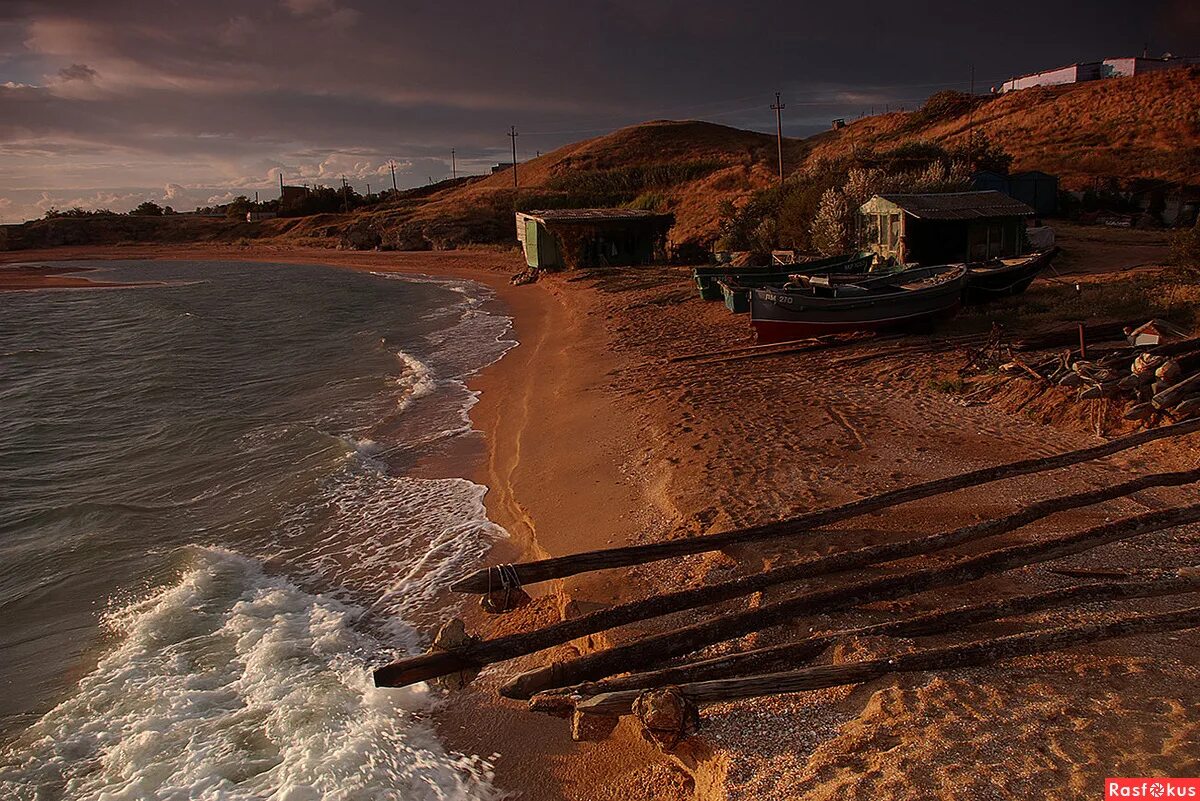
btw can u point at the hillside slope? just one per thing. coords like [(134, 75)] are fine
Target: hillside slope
[(1123, 129), (687, 168)]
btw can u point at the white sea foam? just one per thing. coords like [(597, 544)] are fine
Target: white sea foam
[(416, 381), (236, 683), (232, 684)]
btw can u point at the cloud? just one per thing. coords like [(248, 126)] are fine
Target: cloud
[(77, 72), (223, 96)]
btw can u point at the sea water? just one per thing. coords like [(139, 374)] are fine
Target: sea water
[(217, 514)]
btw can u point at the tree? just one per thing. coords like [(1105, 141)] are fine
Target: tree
[(147, 208), (831, 234)]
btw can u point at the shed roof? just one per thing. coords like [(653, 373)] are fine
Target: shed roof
[(594, 215), (959, 205)]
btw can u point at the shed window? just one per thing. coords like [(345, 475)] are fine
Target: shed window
[(894, 231), (871, 228)]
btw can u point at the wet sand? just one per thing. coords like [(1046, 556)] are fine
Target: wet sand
[(595, 441)]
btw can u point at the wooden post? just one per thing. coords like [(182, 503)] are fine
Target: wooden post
[(778, 657), (564, 631), (655, 649), (560, 567), (1082, 342), (981, 652)]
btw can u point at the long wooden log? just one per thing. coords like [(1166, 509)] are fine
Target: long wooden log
[(1176, 392), (981, 652), (421, 668), (546, 569), (789, 655), (655, 649)]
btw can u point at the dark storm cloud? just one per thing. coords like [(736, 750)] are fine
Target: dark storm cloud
[(222, 92)]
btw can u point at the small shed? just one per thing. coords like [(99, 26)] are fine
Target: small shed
[(568, 238), (1036, 189), (944, 228)]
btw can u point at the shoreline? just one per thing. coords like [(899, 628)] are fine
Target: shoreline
[(593, 441), (536, 490)]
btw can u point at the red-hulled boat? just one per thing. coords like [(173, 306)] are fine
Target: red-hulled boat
[(887, 302)]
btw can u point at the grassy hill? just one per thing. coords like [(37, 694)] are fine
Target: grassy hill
[(1128, 129), (686, 168), (1123, 130)]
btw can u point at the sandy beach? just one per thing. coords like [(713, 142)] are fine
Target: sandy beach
[(595, 440)]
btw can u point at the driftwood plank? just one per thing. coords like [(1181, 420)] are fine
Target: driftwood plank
[(975, 653), (788, 655), (545, 569), (423, 667), (655, 649)]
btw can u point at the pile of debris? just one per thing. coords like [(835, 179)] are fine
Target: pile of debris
[(1157, 373)]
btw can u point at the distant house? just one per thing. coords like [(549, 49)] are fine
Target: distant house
[(291, 196), (571, 238), (259, 216), (1096, 70), (944, 228), (1072, 73), (1034, 188)]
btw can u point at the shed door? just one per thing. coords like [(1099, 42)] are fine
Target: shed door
[(531, 243)]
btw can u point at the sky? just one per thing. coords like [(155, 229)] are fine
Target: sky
[(106, 103)]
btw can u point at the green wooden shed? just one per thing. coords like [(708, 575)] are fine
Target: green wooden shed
[(951, 227), (567, 238)]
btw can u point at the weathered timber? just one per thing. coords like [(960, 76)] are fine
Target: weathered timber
[(655, 649), (562, 566), (1065, 337), (515, 645), (981, 652), (789, 655), (1177, 392), (708, 354)]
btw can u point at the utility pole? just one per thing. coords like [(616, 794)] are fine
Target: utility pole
[(392, 164), (971, 121), (368, 190), (453, 166), (777, 107), (512, 134)]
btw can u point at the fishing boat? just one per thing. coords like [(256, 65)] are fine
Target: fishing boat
[(708, 277), (898, 300), (1003, 277)]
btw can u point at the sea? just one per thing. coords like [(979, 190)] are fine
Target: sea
[(224, 498)]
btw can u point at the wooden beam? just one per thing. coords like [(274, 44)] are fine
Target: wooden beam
[(559, 567), (981, 652), (420, 668), (789, 655), (655, 649)]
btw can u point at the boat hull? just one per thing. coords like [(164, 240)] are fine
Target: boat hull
[(707, 278), (986, 284), (780, 315)]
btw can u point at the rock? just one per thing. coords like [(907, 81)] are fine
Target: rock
[(667, 716), (453, 634)]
